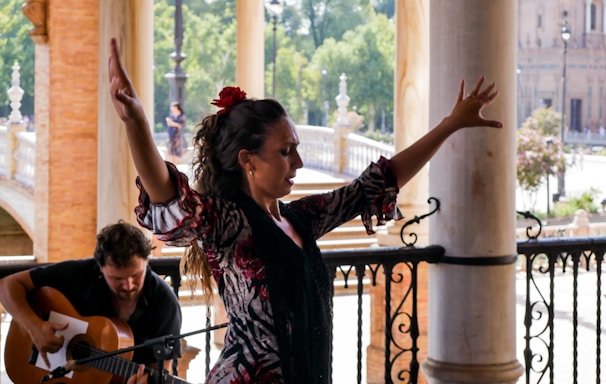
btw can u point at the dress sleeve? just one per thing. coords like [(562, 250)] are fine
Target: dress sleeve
[(189, 216), (373, 193)]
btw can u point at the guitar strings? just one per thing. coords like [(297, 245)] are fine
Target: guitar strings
[(125, 367)]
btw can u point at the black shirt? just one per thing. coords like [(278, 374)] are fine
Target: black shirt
[(157, 313)]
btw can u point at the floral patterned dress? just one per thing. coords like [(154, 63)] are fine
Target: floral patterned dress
[(222, 229)]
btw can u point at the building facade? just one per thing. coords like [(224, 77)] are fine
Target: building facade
[(568, 76)]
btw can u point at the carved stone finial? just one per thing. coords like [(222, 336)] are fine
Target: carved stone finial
[(342, 102), (36, 12), (15, 94)]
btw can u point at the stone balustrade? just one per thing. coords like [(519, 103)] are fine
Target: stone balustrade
[(18, 152), (18, 156)]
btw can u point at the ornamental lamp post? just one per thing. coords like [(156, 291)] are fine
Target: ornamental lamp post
[(177, 77), (274, 8), (565, 34)]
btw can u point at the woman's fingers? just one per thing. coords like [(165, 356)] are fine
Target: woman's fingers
[(140, 377)]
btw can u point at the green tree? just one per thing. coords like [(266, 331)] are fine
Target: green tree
[(209, 44), (332, 18), (16, 46), (539, 154), (366, 56), (544, 120)]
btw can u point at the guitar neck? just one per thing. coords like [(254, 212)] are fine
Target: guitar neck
[(125, 368)]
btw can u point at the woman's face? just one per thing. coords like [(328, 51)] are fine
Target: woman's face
[(276, 163)]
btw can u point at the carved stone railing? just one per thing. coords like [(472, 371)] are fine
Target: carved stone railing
[(17, 157), (318, 150), (361, 151), (25, 159), (586, 138), (5, 154)]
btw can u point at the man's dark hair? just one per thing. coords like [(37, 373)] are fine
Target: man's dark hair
[(118, 243)]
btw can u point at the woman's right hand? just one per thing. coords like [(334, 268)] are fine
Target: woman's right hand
[(123, 94)]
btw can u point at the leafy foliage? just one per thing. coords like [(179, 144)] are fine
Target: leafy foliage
[(586, 201), (15, 46), (539, 155), (338, 36), (544, 120), (209, 41)]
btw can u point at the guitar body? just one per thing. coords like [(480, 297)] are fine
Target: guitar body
[(102, 333)]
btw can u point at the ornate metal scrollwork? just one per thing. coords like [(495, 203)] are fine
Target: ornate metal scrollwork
[(529, 215), (416, 220)]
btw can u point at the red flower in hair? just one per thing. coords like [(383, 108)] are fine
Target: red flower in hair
[(228, 97)]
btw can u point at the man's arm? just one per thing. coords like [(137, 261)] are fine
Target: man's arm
[(13, 296)]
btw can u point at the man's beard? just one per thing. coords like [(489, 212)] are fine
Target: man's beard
[(127, 295)]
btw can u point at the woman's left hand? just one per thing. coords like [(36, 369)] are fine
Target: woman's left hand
[(140, 377), (467, 111)]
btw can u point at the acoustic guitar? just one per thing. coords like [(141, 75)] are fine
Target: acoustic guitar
[(103, 334)]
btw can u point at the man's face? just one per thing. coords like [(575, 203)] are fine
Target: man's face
[(126, 283)]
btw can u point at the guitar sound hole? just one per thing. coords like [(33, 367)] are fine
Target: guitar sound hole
[(80, 347), (81, 350)]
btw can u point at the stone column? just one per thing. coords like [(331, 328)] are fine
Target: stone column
[(472, 332), (411, 108), (250, 60), (411, 112), (131, 22), (41, 178), (66, 127)]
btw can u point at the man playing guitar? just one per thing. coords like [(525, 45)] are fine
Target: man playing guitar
[(116, 283)]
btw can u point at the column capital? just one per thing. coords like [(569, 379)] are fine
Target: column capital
[(36, 12)]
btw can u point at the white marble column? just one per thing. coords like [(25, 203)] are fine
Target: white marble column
[(411, 110), (472, 326), (250, 60), (131, 22)]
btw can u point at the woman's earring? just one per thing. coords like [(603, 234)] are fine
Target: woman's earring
[(251, 173)]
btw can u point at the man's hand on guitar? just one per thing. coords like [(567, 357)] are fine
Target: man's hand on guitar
[(46, 340), (140, 377)]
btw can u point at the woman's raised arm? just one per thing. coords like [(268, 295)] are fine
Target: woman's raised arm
[(150, 165), (465, 113)]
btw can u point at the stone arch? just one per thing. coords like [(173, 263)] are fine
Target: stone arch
[(14, 237)]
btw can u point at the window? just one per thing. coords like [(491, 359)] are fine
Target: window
[(576, 124), (546, 103), (593, 17)]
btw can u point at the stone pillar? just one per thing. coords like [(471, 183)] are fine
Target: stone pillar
[(131, 22), (250, 60), (411, 108), (472, 332), (66, 127), (41, 182), (580, 226)]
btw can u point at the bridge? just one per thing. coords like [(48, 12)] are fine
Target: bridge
[(332, 150)]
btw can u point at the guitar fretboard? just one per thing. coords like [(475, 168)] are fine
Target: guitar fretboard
[(121, 367)]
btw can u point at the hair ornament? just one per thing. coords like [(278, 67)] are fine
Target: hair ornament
[(228, 98)]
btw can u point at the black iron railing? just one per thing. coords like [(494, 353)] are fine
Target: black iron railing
[(563, 309), (563, 304)]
